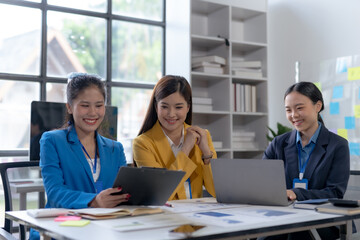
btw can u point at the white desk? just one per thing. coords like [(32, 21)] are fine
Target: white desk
[(222, 221)]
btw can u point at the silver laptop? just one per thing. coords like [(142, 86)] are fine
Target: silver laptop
[(250, 181)]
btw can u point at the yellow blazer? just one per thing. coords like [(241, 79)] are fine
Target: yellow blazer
[(152, 149)]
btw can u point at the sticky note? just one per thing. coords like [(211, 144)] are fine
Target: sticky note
[(349, 122), (318, 84), (334, 108), (338, 92), (67, 218), (357, 111), (354, 148), (343, 133), (79, 223), (359, 94), (353, 73)]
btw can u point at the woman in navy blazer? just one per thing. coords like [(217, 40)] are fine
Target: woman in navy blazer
[(317, 161)]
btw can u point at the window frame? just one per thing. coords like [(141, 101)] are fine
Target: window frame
[(43, 79)]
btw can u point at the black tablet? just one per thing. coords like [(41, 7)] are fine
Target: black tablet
[(147, 186), (344, 202)]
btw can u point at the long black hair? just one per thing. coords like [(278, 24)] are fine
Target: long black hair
[(166, 86), (309, 90)]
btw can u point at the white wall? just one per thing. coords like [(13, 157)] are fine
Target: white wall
[(307, 31)]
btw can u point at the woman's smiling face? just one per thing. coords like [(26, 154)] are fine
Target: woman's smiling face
[(171, 112)]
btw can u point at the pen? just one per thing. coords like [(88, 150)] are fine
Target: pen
[(168, 205)]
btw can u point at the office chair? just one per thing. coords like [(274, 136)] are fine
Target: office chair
[(8, 196)]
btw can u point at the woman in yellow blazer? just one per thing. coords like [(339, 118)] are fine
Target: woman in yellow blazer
[(167, 139)]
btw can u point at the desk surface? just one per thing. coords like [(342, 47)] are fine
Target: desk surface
[(221, 220)]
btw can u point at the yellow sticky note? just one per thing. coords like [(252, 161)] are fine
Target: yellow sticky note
[(357, 111), (354, 73), (79, 223), (343, 133), (318, 84)]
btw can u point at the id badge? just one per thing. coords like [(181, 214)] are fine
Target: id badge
[(98, 186), (297, 183)]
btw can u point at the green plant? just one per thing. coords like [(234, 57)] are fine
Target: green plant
[(280, 130)]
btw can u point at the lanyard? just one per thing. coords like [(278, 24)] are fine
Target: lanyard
[(302, 167), (188, 182), (95, 160)]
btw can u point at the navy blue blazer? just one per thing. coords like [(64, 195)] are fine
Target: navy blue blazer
[(327, 171), (66, 173)]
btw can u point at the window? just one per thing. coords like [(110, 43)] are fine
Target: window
[(42, 42)]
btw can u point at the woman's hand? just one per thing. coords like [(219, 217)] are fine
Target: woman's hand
[(197, 135), (192, 137), (105, 200), (202, 141), (291, 195)]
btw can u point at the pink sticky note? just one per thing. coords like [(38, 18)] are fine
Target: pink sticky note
[(67, 218)]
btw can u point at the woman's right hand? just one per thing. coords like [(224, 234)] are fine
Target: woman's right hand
[(105, 199), (192, 137)]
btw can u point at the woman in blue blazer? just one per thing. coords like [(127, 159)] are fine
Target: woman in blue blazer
[(317, 161), (78, 165)]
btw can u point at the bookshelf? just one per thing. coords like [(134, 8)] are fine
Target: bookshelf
[(235, 31)]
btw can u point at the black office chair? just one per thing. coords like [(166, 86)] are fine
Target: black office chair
[(8, 196)]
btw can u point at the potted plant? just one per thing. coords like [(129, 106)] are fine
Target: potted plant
[(280, 130)]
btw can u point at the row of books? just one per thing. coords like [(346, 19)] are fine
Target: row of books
[(244, 97), (208, 64), (246, 69), (244, 140), (202, 104)]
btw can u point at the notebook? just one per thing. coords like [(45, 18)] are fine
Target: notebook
[(250, 181), (147, 186)]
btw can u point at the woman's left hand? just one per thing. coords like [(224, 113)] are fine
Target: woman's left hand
[(203, 141)]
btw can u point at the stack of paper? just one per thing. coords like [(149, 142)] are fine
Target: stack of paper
[(201, 104), (244, 140), (208, 64), (246, 69)]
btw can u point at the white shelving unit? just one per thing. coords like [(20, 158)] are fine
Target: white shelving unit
[(244, 25)]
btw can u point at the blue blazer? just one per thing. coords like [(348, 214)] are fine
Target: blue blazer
[(327, 171), (66, 173)]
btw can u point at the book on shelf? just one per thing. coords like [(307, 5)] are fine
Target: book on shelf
[(213, 70), (242, 74), (330, 208), (210, 59), (241, 133), (245, 145), (205, 64), (202, 108), (243, 138), (310, 203), (248, 98), (245, 64), (253, 99), (110, 213), (256, 70), (217, 144), (202, 100)]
